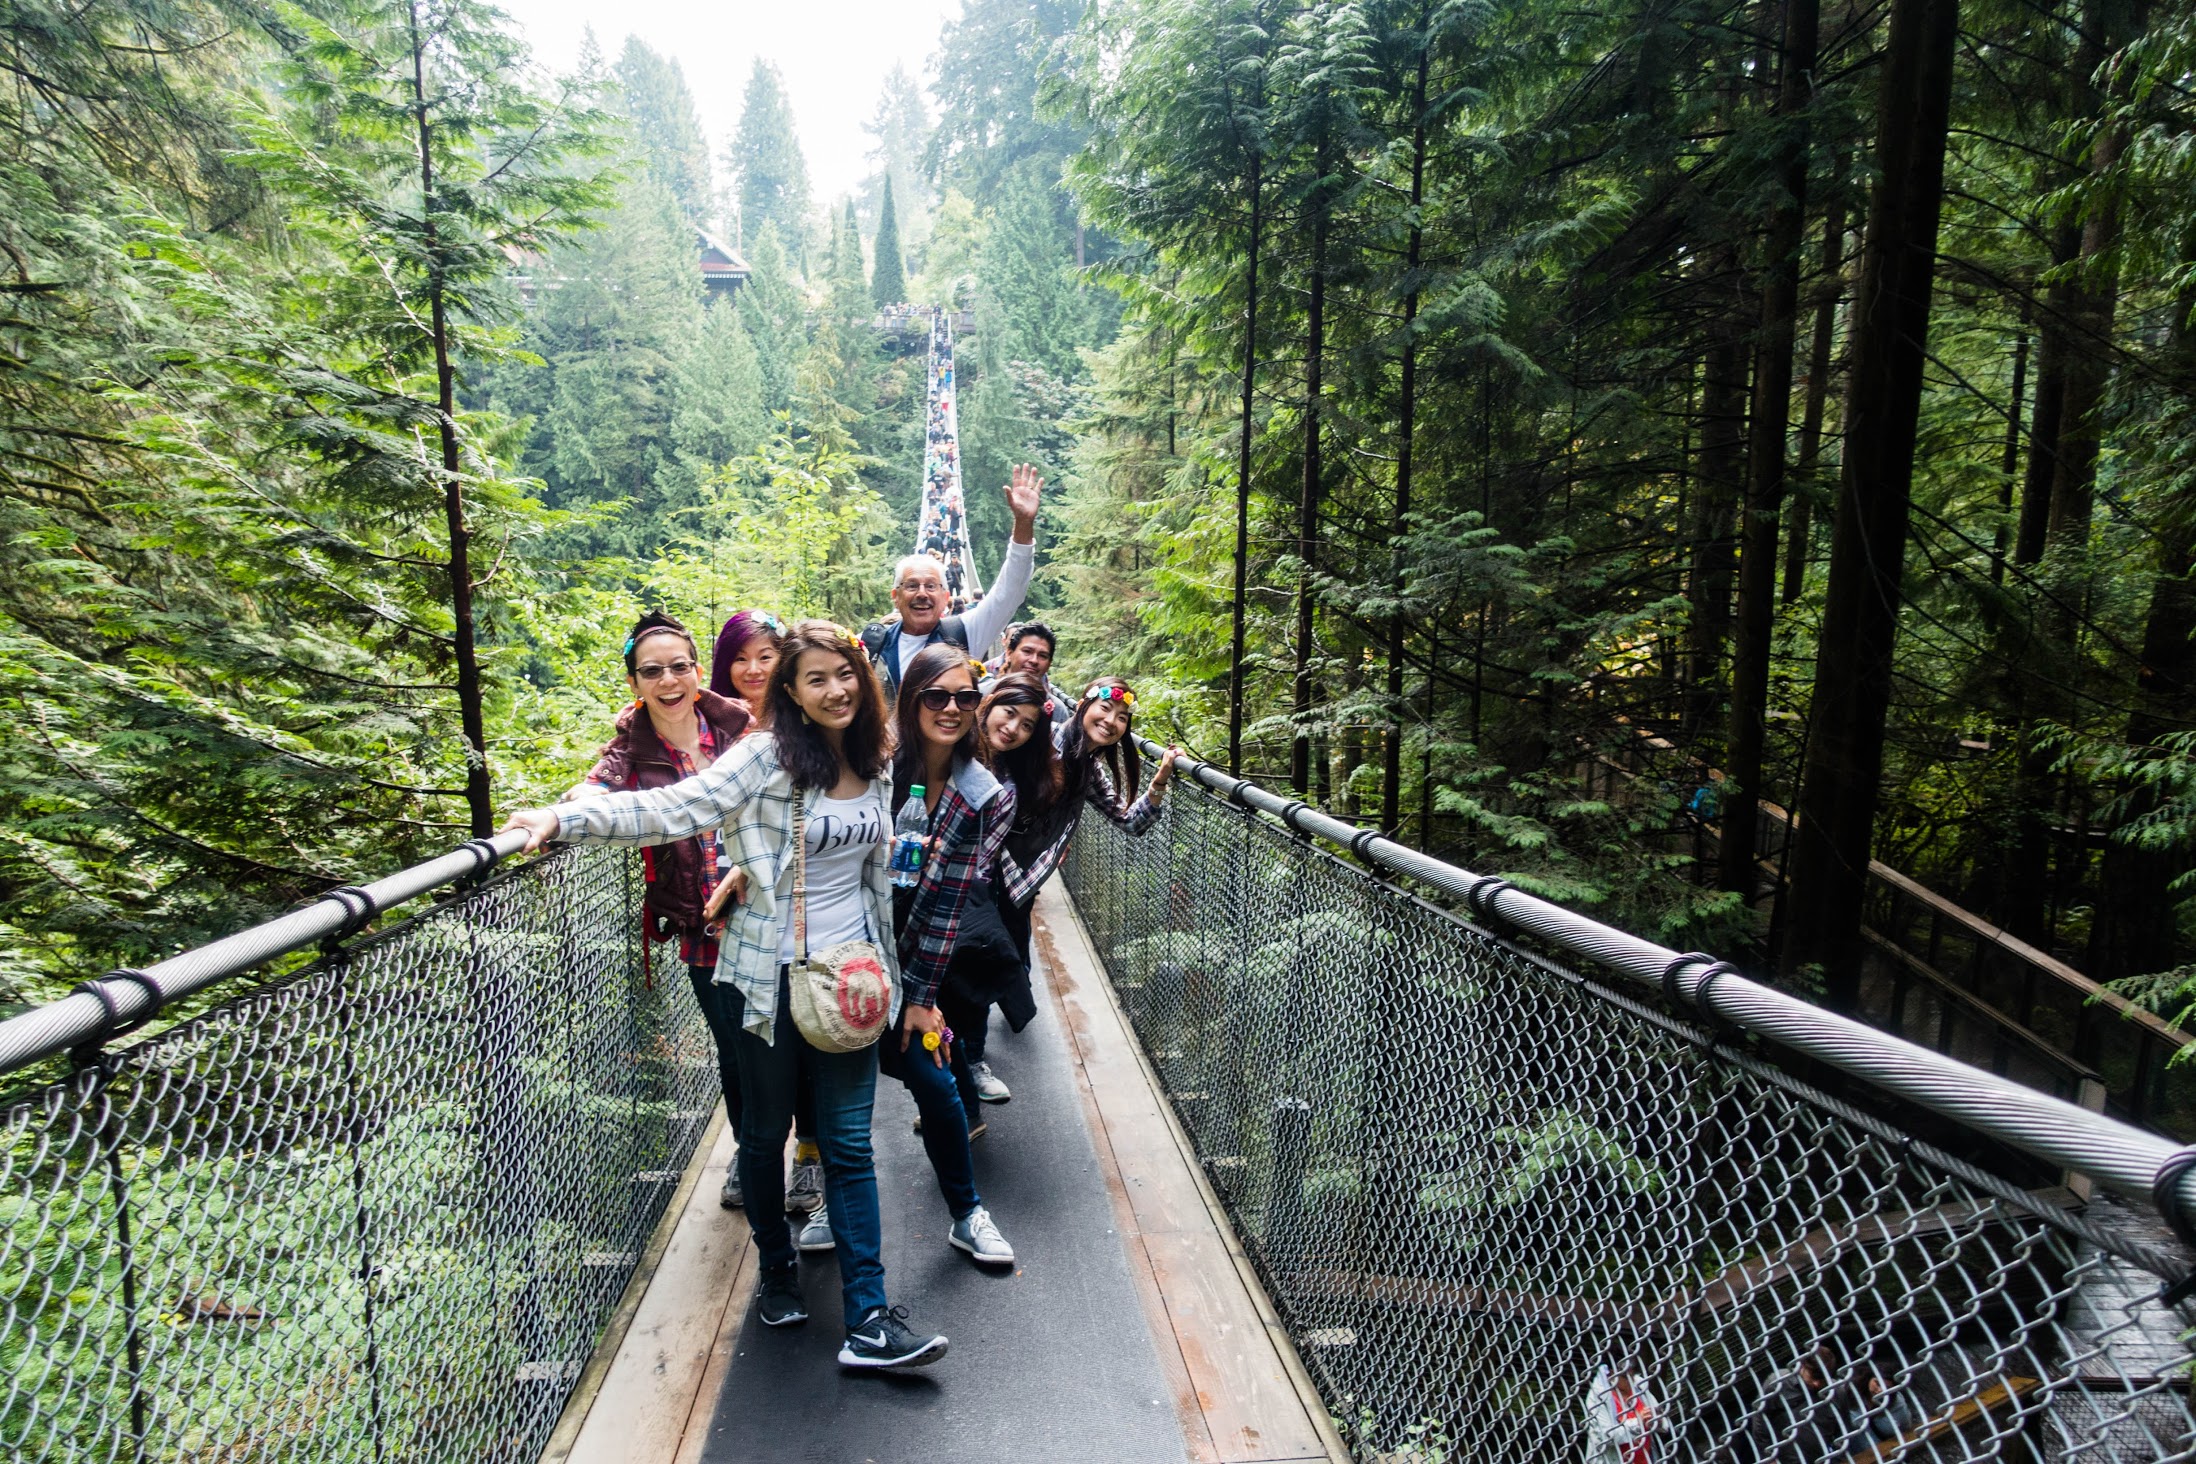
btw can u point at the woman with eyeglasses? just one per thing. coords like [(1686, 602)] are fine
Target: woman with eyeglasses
[(971, 813), (673, 729)]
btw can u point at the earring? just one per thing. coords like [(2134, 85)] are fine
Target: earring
[(804, 719)]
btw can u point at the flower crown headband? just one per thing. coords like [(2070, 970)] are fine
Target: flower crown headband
[(1119, 694), (767, 620)]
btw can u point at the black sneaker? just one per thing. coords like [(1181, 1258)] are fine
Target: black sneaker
[(778, 1300), (883, 1340)]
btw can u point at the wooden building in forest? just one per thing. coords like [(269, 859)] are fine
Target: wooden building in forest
[(723, 271)]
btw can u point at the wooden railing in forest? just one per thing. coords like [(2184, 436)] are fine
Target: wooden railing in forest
[(1946, 978)]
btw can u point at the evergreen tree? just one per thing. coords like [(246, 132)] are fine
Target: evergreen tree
[(666, 131), (1026, 269), (626, 314), (888, 281), (719, 413), (775, 316), (768, 171), (427, 210), (901, 130), (996, 63)]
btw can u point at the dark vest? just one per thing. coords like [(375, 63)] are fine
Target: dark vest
[(882, 641)]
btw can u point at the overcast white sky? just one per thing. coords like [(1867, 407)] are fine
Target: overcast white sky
[(834, 54)]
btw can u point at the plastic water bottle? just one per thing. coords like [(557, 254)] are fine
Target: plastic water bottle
[(910, 835)]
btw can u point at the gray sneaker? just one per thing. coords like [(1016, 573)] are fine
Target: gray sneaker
[(730, 1196), (977, 1235), (805, 1191), (988, 1087), (816, 1233)]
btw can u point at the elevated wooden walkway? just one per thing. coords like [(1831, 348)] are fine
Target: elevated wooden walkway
[(1131, 1329)]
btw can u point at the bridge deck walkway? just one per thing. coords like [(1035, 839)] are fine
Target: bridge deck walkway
[(1129, 1331)]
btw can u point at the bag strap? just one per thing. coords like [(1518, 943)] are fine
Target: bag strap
[(800, 878)]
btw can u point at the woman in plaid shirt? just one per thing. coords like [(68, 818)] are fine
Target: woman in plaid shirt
[(826, 751), (971, 813)]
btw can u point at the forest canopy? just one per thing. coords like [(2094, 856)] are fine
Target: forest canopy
[(1787, 404)]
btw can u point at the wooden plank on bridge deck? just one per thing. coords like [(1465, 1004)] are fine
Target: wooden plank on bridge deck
[(667, 1365), (1243, 1393)]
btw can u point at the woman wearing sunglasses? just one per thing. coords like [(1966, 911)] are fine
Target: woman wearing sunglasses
[(971, 813), (991, 953), (673, 729)]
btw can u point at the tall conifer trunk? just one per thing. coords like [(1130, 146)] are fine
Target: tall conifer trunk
[(1852, 695), (1765, 457), (1307, 507), (1820, 356), (1243, 470), (1715, 505), (1391, 762), (472, 718)]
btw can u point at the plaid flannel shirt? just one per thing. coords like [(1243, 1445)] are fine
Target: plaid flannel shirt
[(747, 792), (974, 816), (1021, 885)]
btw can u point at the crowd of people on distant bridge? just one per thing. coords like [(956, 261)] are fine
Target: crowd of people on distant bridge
[(768, 800), (941, 524)]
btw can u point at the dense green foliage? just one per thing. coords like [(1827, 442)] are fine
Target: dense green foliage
[(1518, 306), (1522, 341)]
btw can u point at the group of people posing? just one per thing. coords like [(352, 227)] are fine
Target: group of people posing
[(766, 802)]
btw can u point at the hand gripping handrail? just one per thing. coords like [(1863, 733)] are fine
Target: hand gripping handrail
[(121, 1000), (2141, 1165)]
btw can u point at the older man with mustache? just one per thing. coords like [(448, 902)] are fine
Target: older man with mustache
[(920, 596)]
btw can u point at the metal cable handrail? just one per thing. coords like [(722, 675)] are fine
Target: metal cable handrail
[(123, 1000), (2129, 1160)]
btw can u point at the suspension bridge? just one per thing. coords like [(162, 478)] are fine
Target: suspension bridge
[(1321, 1148)]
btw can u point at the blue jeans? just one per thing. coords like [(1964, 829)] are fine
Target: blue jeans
[(845, 1089), (969, 1023), (945, 1122)]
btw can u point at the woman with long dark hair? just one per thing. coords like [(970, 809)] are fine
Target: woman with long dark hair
[(1099, 768), (825, 759), (747, 652), (971, 813), (991, 957)]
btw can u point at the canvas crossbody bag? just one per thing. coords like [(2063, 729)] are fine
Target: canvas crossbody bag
[(842, 999)]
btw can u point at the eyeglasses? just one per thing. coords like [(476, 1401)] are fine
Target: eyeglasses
[(937, 699), (653, 672)]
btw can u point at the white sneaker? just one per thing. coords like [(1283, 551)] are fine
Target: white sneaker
[(816, 1233), (988, 1087), (977, 1235)]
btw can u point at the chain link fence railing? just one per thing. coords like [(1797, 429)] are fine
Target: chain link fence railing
[(1510, 1214), (378, 1211)]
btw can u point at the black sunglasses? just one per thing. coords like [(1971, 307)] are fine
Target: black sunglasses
[(937, 699)]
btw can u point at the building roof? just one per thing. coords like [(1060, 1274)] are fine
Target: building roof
[(718, 259)]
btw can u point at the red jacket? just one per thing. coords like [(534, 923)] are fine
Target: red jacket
[(678, 883)]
